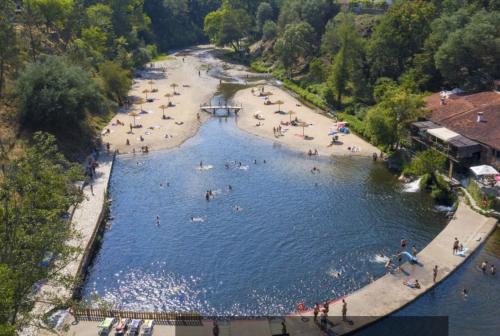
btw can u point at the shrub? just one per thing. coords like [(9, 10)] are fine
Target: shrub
[(54, 94)]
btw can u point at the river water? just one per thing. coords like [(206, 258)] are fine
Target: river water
[(282, 234)]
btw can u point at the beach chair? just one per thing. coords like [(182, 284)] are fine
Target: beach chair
[(105, 326)]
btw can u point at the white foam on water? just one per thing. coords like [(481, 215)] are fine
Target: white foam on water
[(198, 219), (243, 167), (377, 258), (443, 208), (205, 167), (412, 186)]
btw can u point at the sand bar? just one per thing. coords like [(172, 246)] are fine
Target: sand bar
[(317, 126)]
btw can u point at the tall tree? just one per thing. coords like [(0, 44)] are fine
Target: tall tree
[(295, 43), (399, 36), (469, 56), (36, 190), (8, 41)]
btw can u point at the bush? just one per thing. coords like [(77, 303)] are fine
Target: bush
[(425, 162), (54, 94), (115, 80), (482, 200)]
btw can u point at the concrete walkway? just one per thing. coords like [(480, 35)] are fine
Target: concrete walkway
[(372, 302), (85, 220), (388, 294)]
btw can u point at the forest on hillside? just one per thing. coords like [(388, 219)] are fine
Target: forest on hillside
[(371, 60)]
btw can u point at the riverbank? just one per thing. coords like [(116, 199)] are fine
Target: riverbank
[(315, 134), (86, 220), (388, 294), (193, 86), (372, 302), (188, 69)]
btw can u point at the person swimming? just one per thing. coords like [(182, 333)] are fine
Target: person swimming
[(229, 187)]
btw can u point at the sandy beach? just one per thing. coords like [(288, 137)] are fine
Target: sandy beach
[(316, 130), (195, 87)]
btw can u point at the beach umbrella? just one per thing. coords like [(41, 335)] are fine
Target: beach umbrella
[(133, 114), (303, 124), (146, 93), (290, 114), (163, 107), (168, 95), (279, 102), (151, 83), (139, 102), (173, 86)]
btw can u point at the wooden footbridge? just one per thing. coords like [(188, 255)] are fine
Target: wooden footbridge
[(229, 107)]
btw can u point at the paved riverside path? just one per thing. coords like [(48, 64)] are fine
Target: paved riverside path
[(370, 303), (85, 220)]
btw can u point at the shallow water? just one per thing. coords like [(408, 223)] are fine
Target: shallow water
[(297, 235), (476, 314)]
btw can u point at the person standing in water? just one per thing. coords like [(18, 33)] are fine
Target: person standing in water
[(157, 220), (201, 164)]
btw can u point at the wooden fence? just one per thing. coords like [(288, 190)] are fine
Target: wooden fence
[(163, 318)]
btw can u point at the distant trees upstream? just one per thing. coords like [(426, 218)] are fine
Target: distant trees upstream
[(340, 55)]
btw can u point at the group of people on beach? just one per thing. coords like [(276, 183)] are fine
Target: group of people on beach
[(277, 131)]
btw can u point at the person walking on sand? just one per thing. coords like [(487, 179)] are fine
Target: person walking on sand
[(414, 250), (456, 243), (434, 273), (344, 310)]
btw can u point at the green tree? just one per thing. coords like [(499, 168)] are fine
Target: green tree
[(387, 122), (264, 14), (295, 43), (54, 12), (116, 81), (348, 49), (8, 41), (340, 73), (227, 26), (426, 162), (55, 95), (399, 36), (469, 56), (269, 30), (36, 191)]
